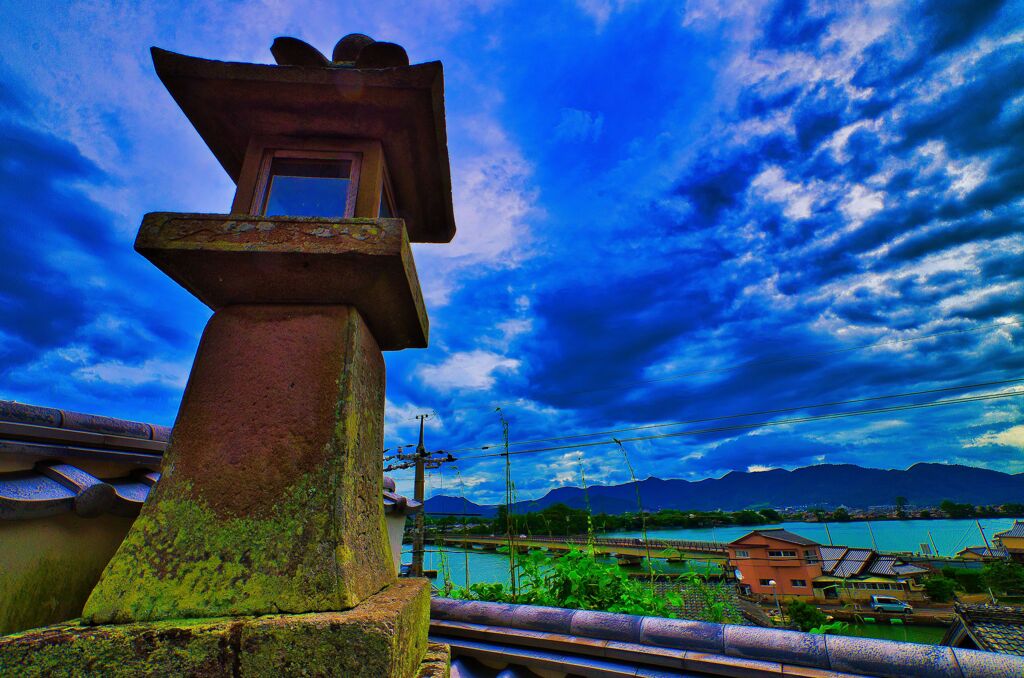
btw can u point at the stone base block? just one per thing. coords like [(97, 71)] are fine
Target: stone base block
[(437, 662), (383, 637)]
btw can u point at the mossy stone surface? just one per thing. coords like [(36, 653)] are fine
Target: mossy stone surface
[(270, 500), (437, 662), (384, 637)]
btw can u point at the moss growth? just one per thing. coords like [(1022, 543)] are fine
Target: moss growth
[(385, 637), (181, 560), (436, 662), (190, 647)]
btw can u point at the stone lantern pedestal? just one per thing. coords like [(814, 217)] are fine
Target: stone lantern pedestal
[(264, 544)]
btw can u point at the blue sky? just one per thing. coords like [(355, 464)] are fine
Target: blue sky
[(643, 191)]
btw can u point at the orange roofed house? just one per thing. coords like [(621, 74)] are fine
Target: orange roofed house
[(776, 555)]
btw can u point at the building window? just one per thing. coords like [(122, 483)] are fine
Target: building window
[(742, 554), (799, 583), (765, 582), (810, 556), (782, 554), (309, 184)]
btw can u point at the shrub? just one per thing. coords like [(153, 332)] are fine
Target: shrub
[(940, 589), (1004, 577), (578, 580), (804, 615)]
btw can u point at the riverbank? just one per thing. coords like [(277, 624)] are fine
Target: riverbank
[(949, 535)]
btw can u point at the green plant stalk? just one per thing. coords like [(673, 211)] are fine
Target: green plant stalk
[(465, 528), (509, 531), (640, 507), (590, 513)]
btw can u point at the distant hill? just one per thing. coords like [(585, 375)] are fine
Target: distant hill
[(444, 504), (822, 485)]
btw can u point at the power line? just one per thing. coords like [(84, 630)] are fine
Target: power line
[(781, 410), (762, 361), (779, 422)]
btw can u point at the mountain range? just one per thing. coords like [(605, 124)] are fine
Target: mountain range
[(825, 485)]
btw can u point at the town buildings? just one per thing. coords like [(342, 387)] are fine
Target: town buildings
[(1012, 541), (776, 562)]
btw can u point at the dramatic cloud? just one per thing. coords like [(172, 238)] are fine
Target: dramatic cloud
[(719, 215)]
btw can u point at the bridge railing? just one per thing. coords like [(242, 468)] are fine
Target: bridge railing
[(660, 544)]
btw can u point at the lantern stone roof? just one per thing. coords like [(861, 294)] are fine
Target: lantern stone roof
[(369, 91)]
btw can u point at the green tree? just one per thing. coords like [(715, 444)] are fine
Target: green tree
[(771, 515), (1004, 576), (841, 515), (955, 510), (940, 589), (804, 615), (901, 506)]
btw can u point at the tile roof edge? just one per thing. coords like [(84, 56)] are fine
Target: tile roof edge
[(865, 655), (14, 412)]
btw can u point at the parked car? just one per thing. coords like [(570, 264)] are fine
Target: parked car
[(887, 604)]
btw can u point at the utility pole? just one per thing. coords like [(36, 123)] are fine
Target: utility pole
[(416, 569), (988, 547)]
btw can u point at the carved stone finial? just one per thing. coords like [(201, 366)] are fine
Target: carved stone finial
[(353, 51)]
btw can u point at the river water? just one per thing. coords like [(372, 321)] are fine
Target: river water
[(949, 536)]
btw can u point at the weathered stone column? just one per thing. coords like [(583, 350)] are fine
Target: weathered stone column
[(270, 499)]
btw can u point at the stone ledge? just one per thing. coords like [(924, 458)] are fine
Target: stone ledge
[(227, 259), (384, 637)]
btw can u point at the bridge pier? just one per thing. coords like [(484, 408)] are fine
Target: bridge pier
[(628, 560)]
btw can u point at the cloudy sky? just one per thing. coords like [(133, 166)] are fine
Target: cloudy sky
[(665, 213)]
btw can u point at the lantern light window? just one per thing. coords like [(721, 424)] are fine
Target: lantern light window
[(323, 185)]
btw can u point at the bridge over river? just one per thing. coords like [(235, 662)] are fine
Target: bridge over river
[(627, 551)]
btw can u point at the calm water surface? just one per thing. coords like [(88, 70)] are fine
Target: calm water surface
[(949, 535)]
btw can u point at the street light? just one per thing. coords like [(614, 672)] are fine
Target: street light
[(775, 592)]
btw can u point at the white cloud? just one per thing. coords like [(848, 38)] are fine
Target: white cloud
[(861, 203), (796, 199), (514, 327), (1011, 437), (758, 468), (153, 371), (602, 10), (469, 370), (494, 201)]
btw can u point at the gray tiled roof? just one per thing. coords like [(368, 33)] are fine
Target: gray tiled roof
[(853, 563), (830, 557), (529, 640), (884, 566), (782, 535), (1016, 531), (986, 551), (995, 628)]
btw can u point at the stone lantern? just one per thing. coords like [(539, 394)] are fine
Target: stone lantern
[(266, 531)]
